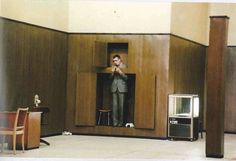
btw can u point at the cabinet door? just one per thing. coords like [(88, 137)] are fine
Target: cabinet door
[(85, 99), (33, 130), (145, 101), (100, 57)]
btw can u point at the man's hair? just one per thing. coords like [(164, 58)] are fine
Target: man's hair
[(116, 56)]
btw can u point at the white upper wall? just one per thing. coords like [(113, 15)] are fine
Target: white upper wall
[(189, 20), (119, 17), (0, 7), (47, 13), (91, 16)]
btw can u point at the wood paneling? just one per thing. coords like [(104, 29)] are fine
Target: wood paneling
[(38, 60), (230, 91), (85, 99), (33, 61), (100, 54), (187, 69), (157, 75), (146, 54), (216, 87), (157, 47), (145, 95), (33, 128)]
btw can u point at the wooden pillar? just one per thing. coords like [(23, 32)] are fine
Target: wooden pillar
[(215, 86)]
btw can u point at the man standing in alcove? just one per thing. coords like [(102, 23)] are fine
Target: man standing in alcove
[(119, 90)]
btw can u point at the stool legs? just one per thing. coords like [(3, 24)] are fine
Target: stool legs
[(108, 117), (99, 118)]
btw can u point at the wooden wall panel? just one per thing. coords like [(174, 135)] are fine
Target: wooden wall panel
[(22, 63), (34, 61), (43, 62), (85, 99), (100, 54), (154, 48), (146, 54), (145, 95), (187, 69), (157, 47), (80, 58), (230, 91)]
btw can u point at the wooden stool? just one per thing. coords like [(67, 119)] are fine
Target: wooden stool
[(101, 111)]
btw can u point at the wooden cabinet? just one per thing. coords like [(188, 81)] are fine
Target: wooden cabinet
[(33, 128)]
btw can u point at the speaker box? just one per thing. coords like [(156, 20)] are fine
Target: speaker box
[(179, 130)]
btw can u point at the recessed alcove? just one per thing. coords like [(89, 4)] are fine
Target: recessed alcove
[(118, 49), (104, 97), (104, 51)]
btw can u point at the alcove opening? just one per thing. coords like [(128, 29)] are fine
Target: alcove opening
[(104, 98)]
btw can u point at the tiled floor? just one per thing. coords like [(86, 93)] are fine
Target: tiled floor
[(80, 147)]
